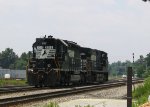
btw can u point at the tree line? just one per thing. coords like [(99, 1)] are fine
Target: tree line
[(10, 60), (141, 67)]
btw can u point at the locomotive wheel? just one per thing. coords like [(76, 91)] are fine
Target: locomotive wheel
[(106, 77), (65, 79), (36, 86), (94, 77), (68, 79), (100, 78), (62, 80), (103, 77), (45, 85), (54, 77), (83, 78)]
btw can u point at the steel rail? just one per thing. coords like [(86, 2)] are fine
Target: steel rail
[(4, 90)]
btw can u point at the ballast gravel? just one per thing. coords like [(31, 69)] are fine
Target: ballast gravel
[(112, 93)]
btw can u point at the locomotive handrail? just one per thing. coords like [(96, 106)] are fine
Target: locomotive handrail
[(49, 71), (58, 66)]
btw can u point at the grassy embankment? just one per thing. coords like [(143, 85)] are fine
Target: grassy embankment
[(140, 95), (4, 82)]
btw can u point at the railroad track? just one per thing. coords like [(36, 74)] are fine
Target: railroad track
[(12, 89), (30, 98), (15, 89)]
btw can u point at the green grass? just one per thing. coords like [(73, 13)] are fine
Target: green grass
[(140, 95), (52, 104), (4, 82)]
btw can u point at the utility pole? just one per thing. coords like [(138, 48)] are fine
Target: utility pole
[(129, 87), (133, 71)]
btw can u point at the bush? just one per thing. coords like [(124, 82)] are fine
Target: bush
[(52, 104), (141, 93)]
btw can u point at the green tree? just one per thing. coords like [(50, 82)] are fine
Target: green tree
[(21, 63), (119, 68), (24, 56), (147, 59), (8, 58)]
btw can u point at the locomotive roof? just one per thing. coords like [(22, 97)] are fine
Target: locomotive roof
[(65, 42), (68, 43), (71, 43), (89, 49)]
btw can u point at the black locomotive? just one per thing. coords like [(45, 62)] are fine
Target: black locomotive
[(63, 62)]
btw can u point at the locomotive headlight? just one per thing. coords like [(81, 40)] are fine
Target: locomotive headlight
[(33, 65), (48, 65), (30, 70)]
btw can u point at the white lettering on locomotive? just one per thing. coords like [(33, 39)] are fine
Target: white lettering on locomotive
[(47, 53)]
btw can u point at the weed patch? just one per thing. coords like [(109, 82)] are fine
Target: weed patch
[(140, 95), (4, 82)]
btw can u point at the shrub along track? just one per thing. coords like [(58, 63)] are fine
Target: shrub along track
[(36, 97)]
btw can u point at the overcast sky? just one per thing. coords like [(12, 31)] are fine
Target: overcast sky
[(118, 27)]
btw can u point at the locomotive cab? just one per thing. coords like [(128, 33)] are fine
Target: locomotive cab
[(47, 53)]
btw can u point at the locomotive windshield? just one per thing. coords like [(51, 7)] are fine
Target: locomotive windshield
[(44, 52)]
